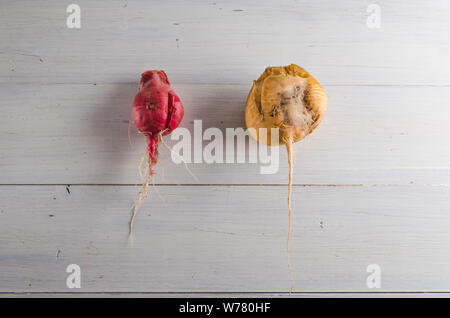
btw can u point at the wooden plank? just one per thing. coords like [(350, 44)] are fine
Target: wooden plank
[(68, 133), (224, 239), (225, 42), (225, 295)]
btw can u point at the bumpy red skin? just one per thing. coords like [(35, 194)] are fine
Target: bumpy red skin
[(156, 109)]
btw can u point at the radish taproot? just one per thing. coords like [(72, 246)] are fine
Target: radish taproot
[(156, 112), (290, 99)]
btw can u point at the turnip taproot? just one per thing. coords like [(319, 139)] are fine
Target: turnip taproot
[(156, 112), (290, 99)]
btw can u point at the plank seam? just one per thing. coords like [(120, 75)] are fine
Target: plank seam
[(231, 293), (304, 185)]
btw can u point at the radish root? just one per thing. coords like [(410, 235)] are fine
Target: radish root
[(152, 151), (142, 168)]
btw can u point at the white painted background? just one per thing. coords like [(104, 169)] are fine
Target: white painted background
[(371, 184)]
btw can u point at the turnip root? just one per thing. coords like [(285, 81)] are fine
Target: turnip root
[(156, 112), (290, 99)]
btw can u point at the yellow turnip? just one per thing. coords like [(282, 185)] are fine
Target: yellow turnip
[(290, 99)]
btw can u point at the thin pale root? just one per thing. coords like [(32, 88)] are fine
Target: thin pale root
[(142, 169), (291, 167), (142, 194)]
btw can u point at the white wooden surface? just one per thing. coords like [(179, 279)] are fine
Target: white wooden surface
[(372, 181)]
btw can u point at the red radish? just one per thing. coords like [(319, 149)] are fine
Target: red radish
[(156, 112)]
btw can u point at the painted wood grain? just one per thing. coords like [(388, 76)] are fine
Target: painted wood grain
[(69, 133), (225, 295), (379, 163), (224, 238), (225, 41)]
